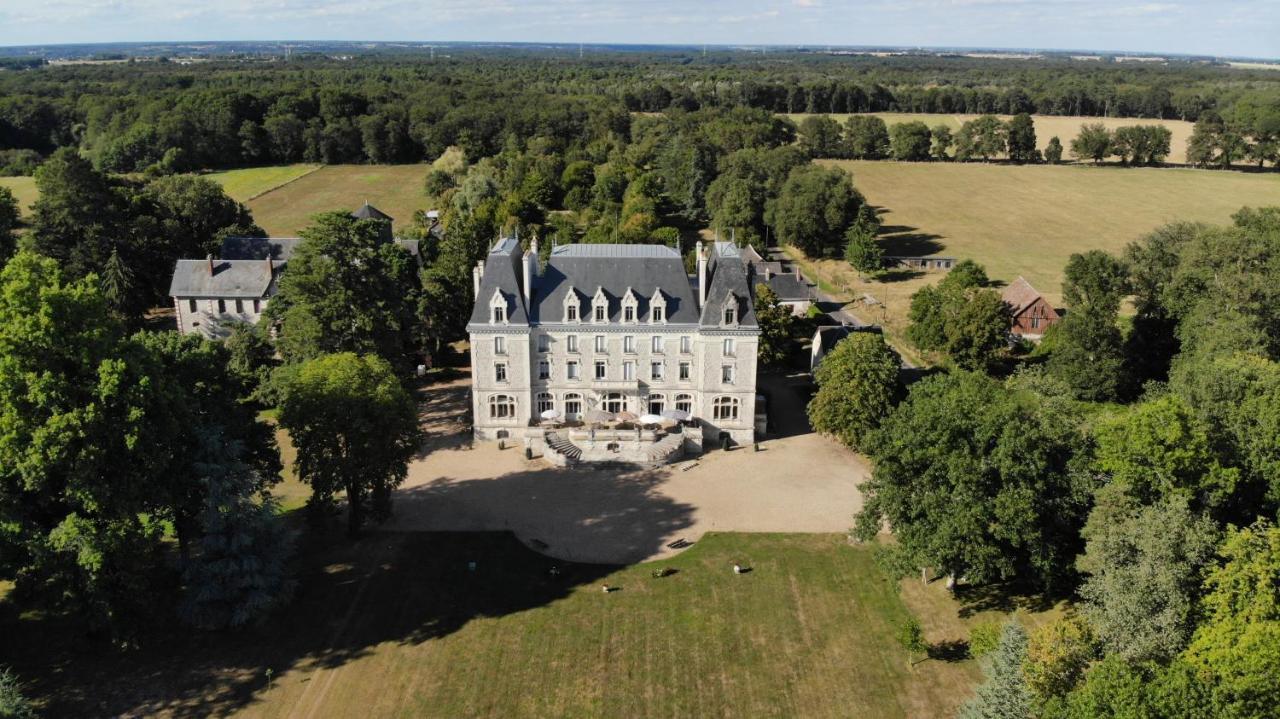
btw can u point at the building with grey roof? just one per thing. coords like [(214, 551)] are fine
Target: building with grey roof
[(211, 295), (613, 328)]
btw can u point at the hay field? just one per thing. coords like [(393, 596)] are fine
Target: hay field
[(394, 189), (1026, 220), (1065, 128)]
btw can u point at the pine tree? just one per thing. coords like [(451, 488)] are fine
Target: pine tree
[(117, 284), (1004, 695), (240, 572)]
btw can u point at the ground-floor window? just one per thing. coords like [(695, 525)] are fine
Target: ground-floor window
[(724, 408), (502, 406), (684, 403), (657, 403), (614, 402), (545, 402), (572, 405)]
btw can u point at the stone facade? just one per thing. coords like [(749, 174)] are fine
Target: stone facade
[(529, 353)]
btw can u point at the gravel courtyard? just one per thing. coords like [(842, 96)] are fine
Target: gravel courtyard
[(800, 482)]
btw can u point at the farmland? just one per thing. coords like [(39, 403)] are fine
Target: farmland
[(394, 189), (1065, 128), (247, 183), (1026, 220), (24, 189)]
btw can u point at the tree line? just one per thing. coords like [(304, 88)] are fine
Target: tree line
[(166, 118), (1128, 467)]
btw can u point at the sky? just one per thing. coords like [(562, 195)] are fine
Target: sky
[(1249, 28)]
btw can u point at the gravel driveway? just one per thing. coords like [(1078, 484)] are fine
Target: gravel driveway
[(800, 482)]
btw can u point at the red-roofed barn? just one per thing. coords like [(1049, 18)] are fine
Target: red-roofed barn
[(1032, 315)]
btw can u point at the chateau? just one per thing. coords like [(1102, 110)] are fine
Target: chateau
[(614, 329)]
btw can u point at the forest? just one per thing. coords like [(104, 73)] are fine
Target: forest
[(166, 117)]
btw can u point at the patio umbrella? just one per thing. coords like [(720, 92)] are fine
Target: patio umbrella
[(550, 414), (626, 416), (676, 414), (599, 415), (650, 419)]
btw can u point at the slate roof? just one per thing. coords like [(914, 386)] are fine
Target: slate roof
[(1020, 295), (787, 287), (502, 271), (727, 275), (369, 212), (231, 279), (614, 269)]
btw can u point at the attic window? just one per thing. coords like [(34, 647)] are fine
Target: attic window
[(600, 306), (731, 315), (571, 308), (657, 308), (498, 307), (630, 306)]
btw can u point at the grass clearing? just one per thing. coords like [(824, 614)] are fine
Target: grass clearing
[(24, 189), (396, 625), (1065, 128), (1025, 220), (394, 189), (250, 182)]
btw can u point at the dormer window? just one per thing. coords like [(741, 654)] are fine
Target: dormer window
[(571, 307), (730, 312), (498, 308), (657, 308), (630, 306), (600, 306)]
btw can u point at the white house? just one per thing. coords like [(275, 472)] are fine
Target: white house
[(618, 328)]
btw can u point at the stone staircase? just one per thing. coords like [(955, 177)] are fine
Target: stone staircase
[(563, 447), (666, 449)]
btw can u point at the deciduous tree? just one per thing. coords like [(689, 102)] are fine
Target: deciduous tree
[(857, 387), (355, 429)]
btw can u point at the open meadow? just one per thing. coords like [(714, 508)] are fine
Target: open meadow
[(398, 625), (1024, 220), (394, 189), (248, 183), (1065, 128), (24, 189)]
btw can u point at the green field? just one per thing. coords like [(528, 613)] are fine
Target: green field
[(23, 188), (394, 189), (1047, 126), (396, 625), (245, 184), (1028, 220)]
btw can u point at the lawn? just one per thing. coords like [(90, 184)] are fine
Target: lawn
[(396, 625), (1026, 220), (394, 189), (246, 184), (1047, 126), (24, 189)]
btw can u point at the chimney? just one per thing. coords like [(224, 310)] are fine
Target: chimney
[(766, 273), (534, 247), (475, 279), (529, 259), (797, 268), (209, 259), (702, 275)]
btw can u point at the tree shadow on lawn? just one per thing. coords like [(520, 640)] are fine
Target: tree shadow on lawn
[(903, 241), (402, 587), (1005, 598)]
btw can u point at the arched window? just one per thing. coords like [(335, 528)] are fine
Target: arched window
[(684, 403), (572, 405), (614, 402), (724, 409), (545, 402), (657, 403), (502, 406)]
